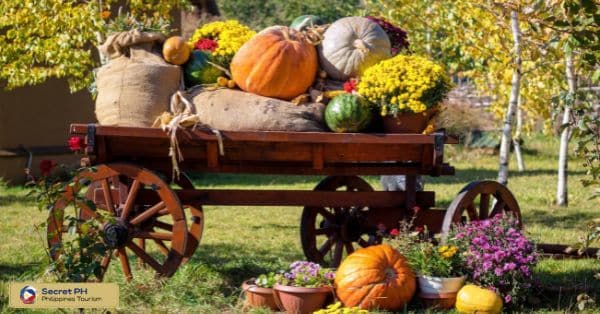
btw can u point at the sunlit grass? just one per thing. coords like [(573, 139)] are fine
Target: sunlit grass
[(243, 241)]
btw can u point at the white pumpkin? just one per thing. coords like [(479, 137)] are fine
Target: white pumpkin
[(351, 45)]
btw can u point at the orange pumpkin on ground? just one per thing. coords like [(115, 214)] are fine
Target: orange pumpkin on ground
[(176, 51), (278, 62), (375, 277)]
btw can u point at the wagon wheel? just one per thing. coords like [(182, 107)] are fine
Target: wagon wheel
[(328, 232), (195, 216), (193, 213), (127, 219), (480, 200)]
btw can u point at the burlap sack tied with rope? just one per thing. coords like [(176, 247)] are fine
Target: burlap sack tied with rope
[(136, 84), (234, 110)]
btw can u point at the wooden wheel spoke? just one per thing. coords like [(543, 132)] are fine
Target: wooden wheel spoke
[(484, 206), (163, 225), (326, 246), (471, 212), (145, 257), (89, 211), (125, 263), (349, 248), (104, 264), (498, 208), (161, 246), (135, 187), (154, 235), (323, 231), (326, 214), (148, 213), (108, 196), (337, 253)]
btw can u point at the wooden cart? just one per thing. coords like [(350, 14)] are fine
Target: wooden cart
[(131, 181)]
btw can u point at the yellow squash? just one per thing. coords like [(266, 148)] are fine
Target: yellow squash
[(474, 299)]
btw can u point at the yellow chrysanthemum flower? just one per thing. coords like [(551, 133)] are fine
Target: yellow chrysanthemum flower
[(405, 83), (230, 35)]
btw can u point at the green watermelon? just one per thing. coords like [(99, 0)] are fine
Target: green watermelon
[(198, 71), (348, 113), (301, 22)]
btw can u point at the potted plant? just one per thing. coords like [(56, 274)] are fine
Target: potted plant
[(498, 256), (407, 89), (439, 268), (303, 288), (259, 291)]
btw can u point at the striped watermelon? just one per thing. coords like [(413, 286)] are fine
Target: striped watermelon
[(348, 113)]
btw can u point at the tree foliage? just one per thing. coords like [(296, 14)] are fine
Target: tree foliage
[(40, 39), (259, 14), (472, 38)]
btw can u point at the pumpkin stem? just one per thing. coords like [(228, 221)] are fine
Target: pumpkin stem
[(314, 34), (390, 273), (360, 45)]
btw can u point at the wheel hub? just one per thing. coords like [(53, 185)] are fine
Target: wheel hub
[(351, 229), (115, 235)]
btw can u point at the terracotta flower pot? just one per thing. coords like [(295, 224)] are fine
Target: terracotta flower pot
[(300, 300), (258, 296), (439, 292), (408, 122)]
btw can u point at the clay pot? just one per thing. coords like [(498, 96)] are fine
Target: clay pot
[(300, 300), (408, 122), (258, 296)]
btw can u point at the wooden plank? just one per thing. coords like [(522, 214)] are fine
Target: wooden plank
[(290, 168), (212, 155), (432, 218), (265, 136), (318, 159), (292, 198)]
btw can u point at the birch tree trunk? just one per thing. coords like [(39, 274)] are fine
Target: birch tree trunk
[(512, 102), (517, 138), (562, 198)]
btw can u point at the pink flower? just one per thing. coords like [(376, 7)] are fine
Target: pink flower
[(394, 232)]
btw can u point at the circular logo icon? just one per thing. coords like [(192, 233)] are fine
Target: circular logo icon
[(28, 295)]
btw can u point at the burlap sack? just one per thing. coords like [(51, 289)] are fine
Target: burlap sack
[(234, 110), (135, 86)]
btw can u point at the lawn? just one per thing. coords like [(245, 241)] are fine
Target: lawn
[(240, 242)]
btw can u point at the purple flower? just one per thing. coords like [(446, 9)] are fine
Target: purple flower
[(498, 271), (510, 266), (487, 265), (507, 298)]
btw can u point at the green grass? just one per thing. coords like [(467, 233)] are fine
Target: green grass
[(241, 242)]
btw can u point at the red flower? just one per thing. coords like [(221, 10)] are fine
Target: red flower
[(46, 166), (394, 232), (420, 229), (76, 143), (206, 44), (350, 85)]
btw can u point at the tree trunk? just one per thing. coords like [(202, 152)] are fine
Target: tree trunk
[(517, 138), (512, 102), (202, 11), (562, 198)]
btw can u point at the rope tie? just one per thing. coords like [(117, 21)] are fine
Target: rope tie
[(183, 116)]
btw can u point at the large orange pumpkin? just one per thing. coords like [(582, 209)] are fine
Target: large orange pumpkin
[(278, 62), (375, 277)]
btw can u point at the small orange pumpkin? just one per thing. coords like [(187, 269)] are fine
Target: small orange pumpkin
[(176, 50), (375, 277), (278, 62)]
